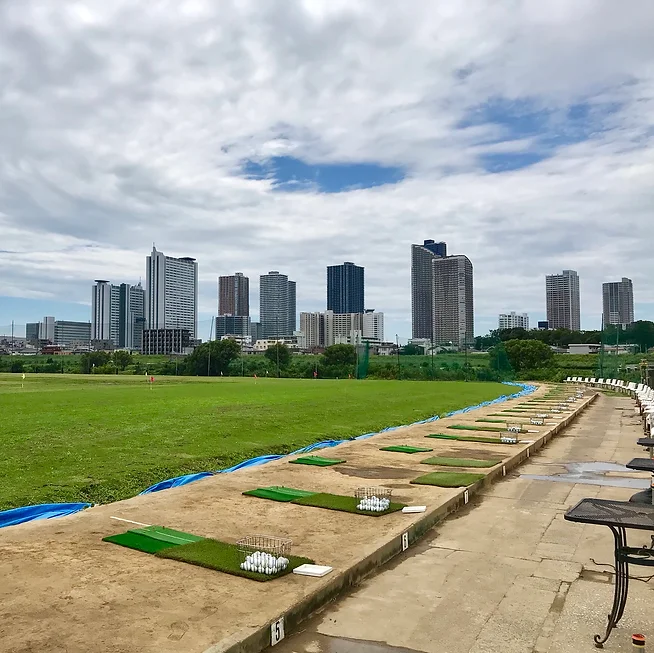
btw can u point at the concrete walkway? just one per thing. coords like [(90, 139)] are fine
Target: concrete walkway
[(507, 574)]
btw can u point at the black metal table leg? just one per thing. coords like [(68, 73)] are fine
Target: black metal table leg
[(621, 586)]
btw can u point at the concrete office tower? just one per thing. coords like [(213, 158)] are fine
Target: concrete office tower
[(562, 295), (618, 302), (276, 305), (345, 288), (47, 329), (234, 295), (105, 311), (131, 317), (32, 333), (514, 320), (312, 327), (172, 293), (453, 305), (71, 334), (422, 287)]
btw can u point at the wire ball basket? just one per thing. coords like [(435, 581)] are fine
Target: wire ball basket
[(370, 492), (513, 428), (276, 546)]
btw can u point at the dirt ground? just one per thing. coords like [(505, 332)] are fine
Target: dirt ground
[(64, 590)]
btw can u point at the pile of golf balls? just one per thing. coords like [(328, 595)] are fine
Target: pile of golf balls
[(264, 563), (374, 504)]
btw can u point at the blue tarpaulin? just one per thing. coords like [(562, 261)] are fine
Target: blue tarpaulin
[(176, 482), (42, 511)]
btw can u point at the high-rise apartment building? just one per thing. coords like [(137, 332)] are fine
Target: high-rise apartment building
[(514, 320), (562, 296), (312, 328), (453, 304), (618, 300), (234, 295), (118, 314), (172, 292), (422, 286), (345, 288), (232, 325), (277, 305)]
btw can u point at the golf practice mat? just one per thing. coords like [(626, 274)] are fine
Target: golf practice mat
[(317, 460), (343, 504), (447, 479), (275, 493), (492, 421), (460, 462), (467, 438), (169, 535), (139, 542), (403, 448), (221, 556)]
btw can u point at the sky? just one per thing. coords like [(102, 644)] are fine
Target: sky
[(294, 134)]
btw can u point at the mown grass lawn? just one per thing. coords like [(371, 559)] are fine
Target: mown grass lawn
[(100, 439)]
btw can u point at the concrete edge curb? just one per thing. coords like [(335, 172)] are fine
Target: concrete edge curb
[(259, 640)]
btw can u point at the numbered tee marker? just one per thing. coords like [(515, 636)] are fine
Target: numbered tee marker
[(466, 498), (405, 541), (277, 631)]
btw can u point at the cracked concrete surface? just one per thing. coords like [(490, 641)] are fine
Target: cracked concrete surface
[(508, 574)]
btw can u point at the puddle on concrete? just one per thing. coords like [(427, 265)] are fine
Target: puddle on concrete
[(316, 643), (596, 473)]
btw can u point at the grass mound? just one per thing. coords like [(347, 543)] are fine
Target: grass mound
[(278, 493), (139, 542), (448, 479), (318, 461), (466, 438), (403, 448), (465, 427), (343, 504), (220, 556), (460, 462)]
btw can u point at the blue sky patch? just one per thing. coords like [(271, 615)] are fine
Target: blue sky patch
[(290, 174), (546, 128)]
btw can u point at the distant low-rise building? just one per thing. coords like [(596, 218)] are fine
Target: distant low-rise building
[(166, 341)]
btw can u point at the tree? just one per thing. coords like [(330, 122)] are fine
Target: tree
[(499, 361), (279, 354), (213, 357), (122, 359), (94, 359), (528, 354), (340, 355)]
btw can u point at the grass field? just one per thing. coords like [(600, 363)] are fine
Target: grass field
[(100, 439)]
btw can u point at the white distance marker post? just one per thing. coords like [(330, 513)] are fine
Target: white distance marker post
[(277, 631), (405, 541), (466, 498)]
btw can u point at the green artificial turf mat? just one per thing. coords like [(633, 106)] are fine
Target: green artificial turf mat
[(460, 462), (280, 493), (403, 448), (167, 534), (494, 421), (343, 504), (317, 460), (466, 438), (224, 557), (465, 427), (448, 479), (139, 542)]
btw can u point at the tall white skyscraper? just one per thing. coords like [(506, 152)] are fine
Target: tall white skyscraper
[(562, 298), (453, 306), (172, 292), (422, 286), (105, 311)]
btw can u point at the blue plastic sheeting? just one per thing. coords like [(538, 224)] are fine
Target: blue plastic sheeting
[(176, 482), (318, 445), (42, 511)]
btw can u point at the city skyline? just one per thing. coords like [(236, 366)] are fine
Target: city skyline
[(517, 142)]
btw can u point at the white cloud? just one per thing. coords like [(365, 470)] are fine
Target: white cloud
[(124, 123)]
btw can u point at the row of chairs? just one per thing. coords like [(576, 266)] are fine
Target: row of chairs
[(643, 394)]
